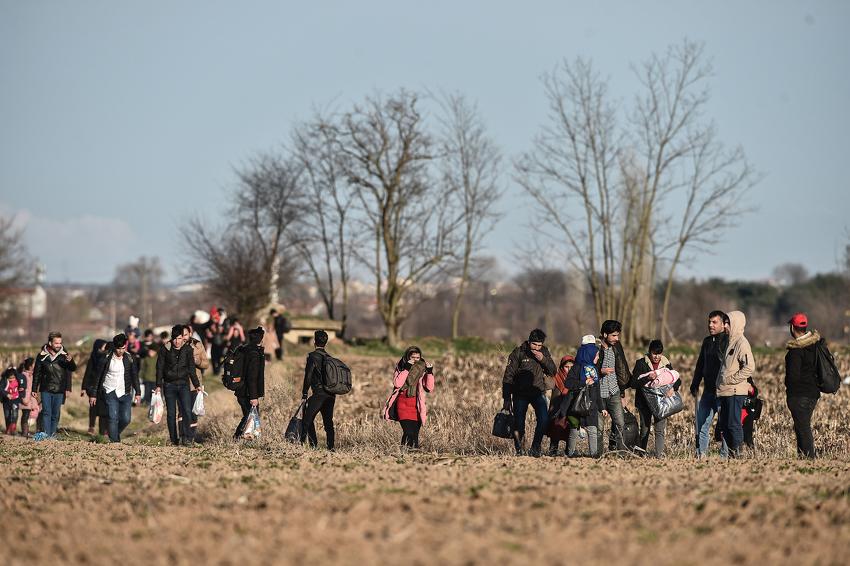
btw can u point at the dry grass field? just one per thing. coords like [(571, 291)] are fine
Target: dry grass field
[(463, 499)]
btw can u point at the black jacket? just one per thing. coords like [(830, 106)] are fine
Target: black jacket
[(94, 387), (52, 375), (173, 366), (642, 367), (710, 362), (574, 383), (253, 372), (313, 371), (524, 375), (801, 371)]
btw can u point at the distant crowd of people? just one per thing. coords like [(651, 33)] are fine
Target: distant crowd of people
[(587, 387)]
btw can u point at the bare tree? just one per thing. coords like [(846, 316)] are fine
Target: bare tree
[(328, 234), (388, 158), (471, 172), (15, 264), (138, 281)]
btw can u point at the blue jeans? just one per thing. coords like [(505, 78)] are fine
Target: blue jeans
[(709, 405), (541, 412), (178, 392), (119, 414), (51, 411), (730, 421)]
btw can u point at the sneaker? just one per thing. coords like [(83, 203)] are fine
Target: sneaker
[(39, 436)]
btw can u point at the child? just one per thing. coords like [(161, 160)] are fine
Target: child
[(10, 390), (29, 406)]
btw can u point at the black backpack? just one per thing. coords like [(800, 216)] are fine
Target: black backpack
[(336, 376), (826, 375), (233, 369), (630, 429)]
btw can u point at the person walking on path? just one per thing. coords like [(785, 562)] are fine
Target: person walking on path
[(115, 387), (653, 361), (253, 372), (732, 385), (615, 377), (584, 374), (558, 392), (175, 368), (707, 370), (90, 377), (320, 401), (801, 388), (412, 379), (528, 375), (52, 380)]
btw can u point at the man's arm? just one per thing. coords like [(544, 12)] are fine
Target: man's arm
[(698, 370), (308, 374)]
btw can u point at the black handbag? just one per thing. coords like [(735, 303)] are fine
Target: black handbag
[(296, 424), (754, 406), (503, 424), (581, 404)]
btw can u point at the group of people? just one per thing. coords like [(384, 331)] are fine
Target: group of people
[(173, 365)]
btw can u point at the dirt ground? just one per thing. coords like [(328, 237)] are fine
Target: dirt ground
[(77, 502)]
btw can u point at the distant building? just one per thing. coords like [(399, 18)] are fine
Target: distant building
[(302, 329)]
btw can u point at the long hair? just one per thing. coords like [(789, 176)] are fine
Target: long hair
[(406, 356)]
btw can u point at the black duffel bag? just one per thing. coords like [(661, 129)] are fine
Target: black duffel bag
[(503, 424), (296, 424)]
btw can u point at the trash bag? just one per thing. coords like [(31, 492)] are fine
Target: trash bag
[(293, 431), (252, 426), (503, 424), (581, 404), (660, 405), (198, 406), (156, 409)]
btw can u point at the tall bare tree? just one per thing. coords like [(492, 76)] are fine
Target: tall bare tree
[(470, 164), (137, 282), (328, 228), (388, 155), (15, 264)]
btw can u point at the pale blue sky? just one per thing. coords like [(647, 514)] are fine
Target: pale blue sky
[(118, 119)]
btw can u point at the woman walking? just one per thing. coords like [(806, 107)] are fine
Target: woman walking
[(412, 379), (584, 374)]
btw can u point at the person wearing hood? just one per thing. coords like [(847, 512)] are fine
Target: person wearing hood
[(584, 373), (248, 396), (412, 379), (732, 385), (649, 364), (558, 392), (51, 380), (527, 377), (115, 387), (90, 380), (801, 386)]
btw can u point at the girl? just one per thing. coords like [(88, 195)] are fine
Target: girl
[(557, 397), (413, 378), (10, 390), (584, 374)]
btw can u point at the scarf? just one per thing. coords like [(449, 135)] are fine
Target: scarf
[(414, 374)]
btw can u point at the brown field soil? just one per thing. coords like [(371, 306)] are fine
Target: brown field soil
[(461, 500)]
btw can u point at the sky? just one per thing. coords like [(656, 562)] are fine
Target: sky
[(120, 120)]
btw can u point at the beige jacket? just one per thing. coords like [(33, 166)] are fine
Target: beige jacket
[(738, 363), (202, 361)]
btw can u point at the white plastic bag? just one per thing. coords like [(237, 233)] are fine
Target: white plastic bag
[(198, 407), (252, 425), (156, 409)]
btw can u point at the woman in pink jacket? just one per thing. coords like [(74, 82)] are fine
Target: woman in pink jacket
[(29, 405), (413, 378)]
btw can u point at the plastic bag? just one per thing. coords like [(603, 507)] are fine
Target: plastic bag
[(252, 425), (156, 409), (198, 407), (660, 404)]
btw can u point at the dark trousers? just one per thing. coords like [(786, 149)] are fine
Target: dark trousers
[(647, 419), (149, 387), (245, 405), (278, 352), (25, 422), (410, 433), (102, 427), (120, 410), (731, 428), (177, 393), (10, 412), (541, 413), (319, 402), (802, 409), (216, 357)]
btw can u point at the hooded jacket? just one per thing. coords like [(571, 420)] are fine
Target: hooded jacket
[(52, 373), (738, 363), (90, 375), (524, 375), (801, 366), (254, 372)]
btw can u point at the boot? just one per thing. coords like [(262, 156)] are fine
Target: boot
[(25, 428), (13, 428)]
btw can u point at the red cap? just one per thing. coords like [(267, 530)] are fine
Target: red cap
[(800, 320)]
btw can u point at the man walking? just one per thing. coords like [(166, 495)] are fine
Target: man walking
[(321, 401), (52, 380), (281, 327), (113, 391), (801, 386), (175, 368), (732, 385), (529, 374), (253, 376), (707, 370), (615, 378)]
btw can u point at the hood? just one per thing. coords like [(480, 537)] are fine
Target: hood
[(737, 323), (804, 341), (98, 344), (586, 354)]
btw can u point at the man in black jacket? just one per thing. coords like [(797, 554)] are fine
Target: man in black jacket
[(801, 386), (321, 401), (253, 375), (175, 367), (528, 375), (51, 379), (113, 391), (708, 367)]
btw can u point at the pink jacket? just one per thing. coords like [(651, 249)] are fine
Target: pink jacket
[(28, 402), (425, 385)]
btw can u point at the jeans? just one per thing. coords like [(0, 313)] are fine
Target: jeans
[(149, 387), (319, 402), (410, 433), (730, 422), (119, 409), (614, 406), (541, 412), (177, 393), (802, 409), (708, 406), (645, 419), (245, 405), (51, 411)]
